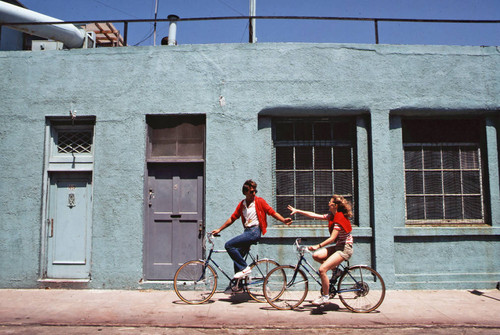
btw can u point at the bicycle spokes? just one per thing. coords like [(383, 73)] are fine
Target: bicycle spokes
[(254, 284), (195, 282), (285, 287), (361, 289)]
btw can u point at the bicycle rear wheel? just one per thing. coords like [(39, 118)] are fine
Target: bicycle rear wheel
[(255, 282), (195, 282), (285, 288), (361, 289)]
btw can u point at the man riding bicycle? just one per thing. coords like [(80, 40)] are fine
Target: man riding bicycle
[(253, 211)]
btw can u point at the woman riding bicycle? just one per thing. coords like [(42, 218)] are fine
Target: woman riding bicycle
[(340, 229)]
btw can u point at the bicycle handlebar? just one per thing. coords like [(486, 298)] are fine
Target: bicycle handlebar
[(210, 237), (301, 249)]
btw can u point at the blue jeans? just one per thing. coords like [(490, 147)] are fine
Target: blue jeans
[(238, 246)]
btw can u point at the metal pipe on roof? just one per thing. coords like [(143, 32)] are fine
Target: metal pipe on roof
[(251, 27), (70, 35), (172, 29)]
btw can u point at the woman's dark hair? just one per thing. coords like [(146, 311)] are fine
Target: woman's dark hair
[(247, 185)]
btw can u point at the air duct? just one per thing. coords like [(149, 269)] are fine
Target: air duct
[(69, 34)]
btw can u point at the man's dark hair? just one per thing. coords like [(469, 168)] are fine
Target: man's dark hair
[(247, 185)]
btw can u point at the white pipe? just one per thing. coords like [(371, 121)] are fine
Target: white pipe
[(69, 34), (253, 38), (172, 29)]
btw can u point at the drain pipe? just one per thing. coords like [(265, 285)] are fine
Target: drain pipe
[(69, 34), (172, 29)]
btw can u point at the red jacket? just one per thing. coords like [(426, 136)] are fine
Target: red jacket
[(261, 207), (341, 220)]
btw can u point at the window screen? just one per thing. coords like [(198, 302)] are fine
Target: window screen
[(314, 159), (443, 172)]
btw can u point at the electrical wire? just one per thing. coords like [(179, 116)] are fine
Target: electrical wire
[(229, 6), (237, 11), (117, 9), (145, 38), (148, 35), (244, 31)]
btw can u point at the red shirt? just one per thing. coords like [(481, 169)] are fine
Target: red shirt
[(261, 207)]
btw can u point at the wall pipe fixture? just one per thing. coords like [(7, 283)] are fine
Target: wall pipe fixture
[(69, 34), (172, 29)]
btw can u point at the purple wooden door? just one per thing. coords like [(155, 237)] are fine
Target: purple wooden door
[(174, 227)]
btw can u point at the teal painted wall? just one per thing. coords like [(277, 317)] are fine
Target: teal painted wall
[(10, 39), (377, 83)]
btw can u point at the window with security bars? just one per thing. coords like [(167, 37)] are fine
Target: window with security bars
[(443, 172), (314, 159), (74, 142)]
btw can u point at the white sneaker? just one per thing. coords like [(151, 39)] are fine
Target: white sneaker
[(243, 273), (323, 299)]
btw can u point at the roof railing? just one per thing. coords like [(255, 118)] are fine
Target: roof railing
[(376, 21)]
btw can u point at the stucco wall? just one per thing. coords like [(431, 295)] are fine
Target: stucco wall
[(120, 86)]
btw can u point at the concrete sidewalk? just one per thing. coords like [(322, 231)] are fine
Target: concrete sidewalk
[(164, 309)]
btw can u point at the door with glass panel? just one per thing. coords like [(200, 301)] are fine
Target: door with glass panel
[(175, 194), (67, 227)]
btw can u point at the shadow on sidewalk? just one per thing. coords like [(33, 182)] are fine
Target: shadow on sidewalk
[(479, 293), (237, 298), (315, 310), (180, 302), (320, 310)]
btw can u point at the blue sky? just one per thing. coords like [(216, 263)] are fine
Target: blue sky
[(236, 31)]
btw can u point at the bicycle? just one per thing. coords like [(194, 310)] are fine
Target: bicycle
[(195, 282), (360, 288)]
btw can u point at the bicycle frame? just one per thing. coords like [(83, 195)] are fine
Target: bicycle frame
[(209, 260), (286, 286), (195, 282), (304, 264)]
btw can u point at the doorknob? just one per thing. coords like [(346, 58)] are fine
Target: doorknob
[(200, 229), (151, 197)]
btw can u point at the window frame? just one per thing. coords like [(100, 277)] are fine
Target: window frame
[(69, 161), (58, 129), (173, 121), (332, 144), (479, 148)]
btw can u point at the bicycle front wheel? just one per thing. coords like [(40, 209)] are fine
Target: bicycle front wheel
[(255, 282), (285, 288), (195, 282), (361, 289)]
